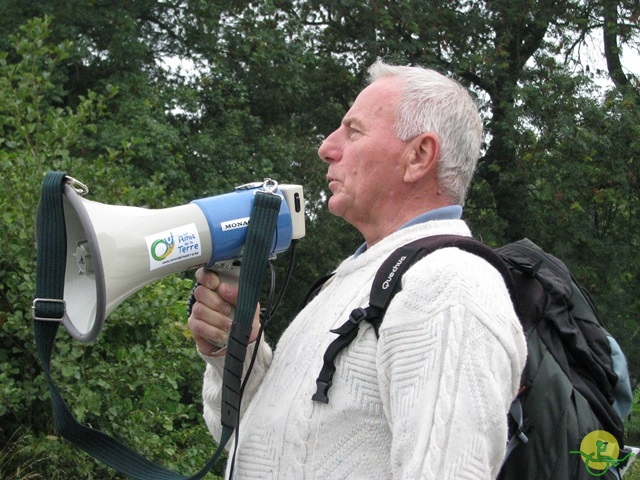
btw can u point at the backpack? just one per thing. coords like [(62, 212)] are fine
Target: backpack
[(575, 379)]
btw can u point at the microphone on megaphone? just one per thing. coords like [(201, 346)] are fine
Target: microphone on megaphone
[(114, 250)]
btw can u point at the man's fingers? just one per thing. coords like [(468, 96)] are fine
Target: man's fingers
[(207, 278)]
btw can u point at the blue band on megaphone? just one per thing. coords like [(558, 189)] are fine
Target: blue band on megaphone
[(228, 219)]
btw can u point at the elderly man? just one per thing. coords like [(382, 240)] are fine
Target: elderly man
[(429, 397)]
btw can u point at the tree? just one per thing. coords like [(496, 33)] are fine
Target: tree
[(110, 139), (266, 81), (156, 409), (559, 161)]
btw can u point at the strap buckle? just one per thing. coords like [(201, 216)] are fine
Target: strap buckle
[(358, 315), (34, 306), (267, 186)]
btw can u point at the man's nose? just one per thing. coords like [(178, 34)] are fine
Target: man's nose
[(329, 150)]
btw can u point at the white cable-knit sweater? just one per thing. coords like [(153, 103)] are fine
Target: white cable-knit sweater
[(428, 399)]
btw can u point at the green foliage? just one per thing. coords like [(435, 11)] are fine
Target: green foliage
[(632, 426), (632, 435), (86, 89), (141, 381)]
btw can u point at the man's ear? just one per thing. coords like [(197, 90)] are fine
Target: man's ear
[(422, 158)]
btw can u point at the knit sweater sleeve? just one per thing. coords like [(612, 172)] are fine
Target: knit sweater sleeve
[(212, 384), (450, 355)]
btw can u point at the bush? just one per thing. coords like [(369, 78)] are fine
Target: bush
[(632, 426), (141, 380)]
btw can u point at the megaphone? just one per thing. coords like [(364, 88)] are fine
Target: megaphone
[(113, 250)]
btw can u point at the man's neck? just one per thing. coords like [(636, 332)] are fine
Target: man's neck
[(448, 212)]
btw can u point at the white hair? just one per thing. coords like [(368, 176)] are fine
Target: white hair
[(432, 102)]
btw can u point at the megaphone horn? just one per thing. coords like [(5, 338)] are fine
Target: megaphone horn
[(114, 250)]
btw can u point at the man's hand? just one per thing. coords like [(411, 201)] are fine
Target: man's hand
[(209, 321)]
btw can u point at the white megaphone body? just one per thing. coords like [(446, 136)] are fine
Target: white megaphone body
[(113, 250)]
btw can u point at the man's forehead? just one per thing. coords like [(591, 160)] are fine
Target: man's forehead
[(378, 99)]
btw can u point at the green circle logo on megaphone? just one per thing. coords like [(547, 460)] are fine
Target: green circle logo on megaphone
[(162, 248)]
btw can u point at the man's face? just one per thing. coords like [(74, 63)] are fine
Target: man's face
[(366, 159)]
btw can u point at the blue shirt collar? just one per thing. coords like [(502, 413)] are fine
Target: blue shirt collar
[(450, 212)]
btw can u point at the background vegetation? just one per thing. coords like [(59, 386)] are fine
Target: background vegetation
[(157, 102)]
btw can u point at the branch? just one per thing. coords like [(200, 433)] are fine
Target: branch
[(612, 50)]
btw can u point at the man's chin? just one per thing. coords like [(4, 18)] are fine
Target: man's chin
[(334, 206)]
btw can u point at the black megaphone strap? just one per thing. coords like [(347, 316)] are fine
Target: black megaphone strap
[(49, 308)]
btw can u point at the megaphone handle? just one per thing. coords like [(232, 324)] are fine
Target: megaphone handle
[(228, 272)]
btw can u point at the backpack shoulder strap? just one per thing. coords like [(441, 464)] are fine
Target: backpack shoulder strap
[(386, 284), (387, 280)]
